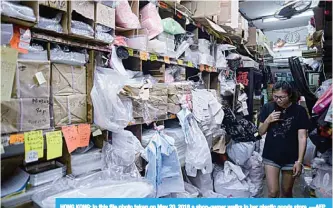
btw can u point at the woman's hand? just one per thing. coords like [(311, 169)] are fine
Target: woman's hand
[(273, 117), (297, 169)]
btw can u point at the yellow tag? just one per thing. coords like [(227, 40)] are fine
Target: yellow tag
[(180, 62), (167, 59), (53, 144), (153, 57), (189, 64), (144, 55), (33, 142), (130, 52)]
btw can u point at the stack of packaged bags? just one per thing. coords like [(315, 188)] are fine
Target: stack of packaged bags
[(179, 93)]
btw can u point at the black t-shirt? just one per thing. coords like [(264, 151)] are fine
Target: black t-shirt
[(281, 143)]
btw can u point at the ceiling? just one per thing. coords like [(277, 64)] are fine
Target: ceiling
[(255, 10)]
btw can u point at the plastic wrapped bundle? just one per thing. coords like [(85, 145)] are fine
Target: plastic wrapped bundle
[(86, 162), (104, 33), (138, 42), (125, 17), (17, 11), (240, 152), (204, 46), (180, 144), (35, 52), (172, 27), (6, 33), (81, 28), (322, 182), (151, 20), (57, 55), (51, 24)]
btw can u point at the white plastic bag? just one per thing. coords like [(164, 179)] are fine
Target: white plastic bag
[(240, 152), (202, 181), (310, 152), (109, 111), (322, 182)]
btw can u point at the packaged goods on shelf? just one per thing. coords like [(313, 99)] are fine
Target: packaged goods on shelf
[(67, 79), (174, 74), (46, 172), (125, 18), (151, 20), (27, 83), (157, 46), (6, 33), (179, 93), (81, 28), (192, 55), (86, 162), (204, 46), (322, 182), (65, 56), (25, 114), (104, 33), (169, 40), (206, 59), (138, 42), (172, 27), (183, 42), (51, 24), (70, 109), (18, 11), (35, 52)]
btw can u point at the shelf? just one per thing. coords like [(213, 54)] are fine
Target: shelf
[(139, 121), (12, 20)]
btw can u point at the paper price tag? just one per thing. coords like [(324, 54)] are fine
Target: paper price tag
[(144, 55), (2, 150), (40, 78), (130, 52), (31, 156), (53, 144), (180, 62), (16, 138), (167, 59), (189, 64), (153, 57), (97, 133)]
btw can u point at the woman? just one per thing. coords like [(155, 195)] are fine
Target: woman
[(286, 124)]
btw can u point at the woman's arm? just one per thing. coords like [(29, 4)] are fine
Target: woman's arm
[(273, 117), (302, 137), (263, 127)]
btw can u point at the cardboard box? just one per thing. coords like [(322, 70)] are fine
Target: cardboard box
[(203, 8), (256, 37), (155, 105), (67, 79), (228, 15), (105, 15), (25, 114), (85, 8), (56, 4), (71, 109), (26, 84)]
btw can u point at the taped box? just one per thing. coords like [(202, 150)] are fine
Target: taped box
[(25, 114), (32, 79), (67, 79), (71, 109)]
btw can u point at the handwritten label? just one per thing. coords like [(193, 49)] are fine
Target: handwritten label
[(53, 144), (153, 57), (31, 156), (189, 64), (16, 138), (97, 133), (167, 59), (71, 137), (40, 78), (180, 62), (34, 141), (144, 55), (130, 52), (8, 68), (84, 134)]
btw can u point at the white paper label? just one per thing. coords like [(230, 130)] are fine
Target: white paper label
[(2, 149), (97, 133), (40, 78), (31, 156), (144, 94)]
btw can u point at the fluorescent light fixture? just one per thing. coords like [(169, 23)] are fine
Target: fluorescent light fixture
[(304, 14), (286, 48)]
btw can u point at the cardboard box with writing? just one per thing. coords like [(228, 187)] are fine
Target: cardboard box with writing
[(228, 15), (203, 8), (67, 79), (57, 4), (26, 84), (25, 114), (104, 16), (71, 109)]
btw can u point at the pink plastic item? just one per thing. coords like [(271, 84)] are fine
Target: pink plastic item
[(151, 20), (120, 41), (323, 102), (125, 18)]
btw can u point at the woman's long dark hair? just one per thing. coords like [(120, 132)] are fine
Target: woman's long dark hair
[(286, 87)]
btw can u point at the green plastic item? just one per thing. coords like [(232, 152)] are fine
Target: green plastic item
[(172, 27)]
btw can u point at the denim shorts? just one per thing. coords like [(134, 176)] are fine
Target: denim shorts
[(282, 167)]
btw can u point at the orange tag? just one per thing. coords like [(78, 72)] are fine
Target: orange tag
[(71, 136), (172, 116), (167, 59), (16, 138), (84, 134), (144, 55)]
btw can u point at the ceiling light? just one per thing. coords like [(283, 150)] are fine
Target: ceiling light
[(286, 48), (304, 14)]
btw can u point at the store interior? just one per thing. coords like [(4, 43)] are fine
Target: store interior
[(157, 99)]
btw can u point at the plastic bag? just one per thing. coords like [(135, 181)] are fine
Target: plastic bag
[(328, 117), (109, 111), (58, 55), (125, 17), (310, 152), (51, 24), (172, 27), (202, 181), (322, 182), (82, 28), (157, 46), (151, 20), (227, 85), (256, 173), (323, 88), (240, 152), (104, 33), (18, 11)]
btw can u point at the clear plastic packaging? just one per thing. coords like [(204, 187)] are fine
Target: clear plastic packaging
[(138, 42), (104, 33), (81, 28), (35, 52), (240, 152), (45, 172), (157, 46), (322, 182), (51, 24), (125, 18), (206, 59), (6, 33), (204, 46), (58, 55), (17, 11), (227, 85), (86, 162), (109, 111), (151, 20), (172, 27)]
